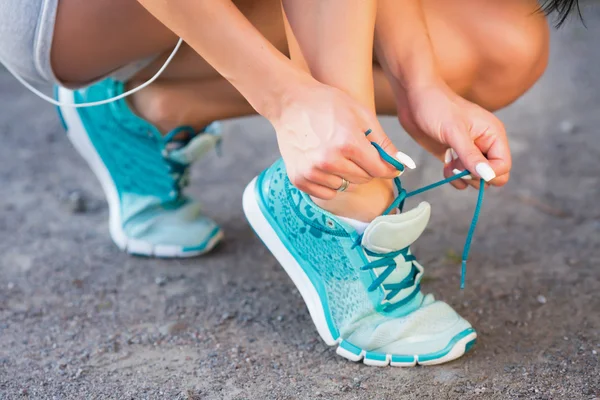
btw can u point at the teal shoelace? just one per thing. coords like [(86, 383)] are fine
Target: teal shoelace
[(183, 146), (176, 139), (388, 259)]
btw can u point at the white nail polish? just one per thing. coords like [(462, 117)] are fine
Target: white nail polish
[(448, 156), (458, 171), (406, 160), (485, 171), (454, 155)]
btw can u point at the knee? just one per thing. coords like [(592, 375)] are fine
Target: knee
[(515, 60), (525, 51)]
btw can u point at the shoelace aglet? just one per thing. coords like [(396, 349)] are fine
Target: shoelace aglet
[(469, 238), (463, 274)]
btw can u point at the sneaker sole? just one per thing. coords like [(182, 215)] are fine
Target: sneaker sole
[(77, 134), (459, 345)]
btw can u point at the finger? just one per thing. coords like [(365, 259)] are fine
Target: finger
[(459, 184), (500, 164), (313, 189), (494, 144), (369, 159), (328, 180), (457, 167), (340, 167), (468, 179), (501, 180), (470, 155)]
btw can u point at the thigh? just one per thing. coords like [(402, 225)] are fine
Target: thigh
[(489, 51), (94, 38), (265, 15)]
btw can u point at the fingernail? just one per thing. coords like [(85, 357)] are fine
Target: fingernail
[(485, 171), (448, 156), (406, 160), (458, 171), (454, 155)]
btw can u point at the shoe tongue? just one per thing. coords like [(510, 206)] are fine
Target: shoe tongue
[(395, 232), (186, 152)]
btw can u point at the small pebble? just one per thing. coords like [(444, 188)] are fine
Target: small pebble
[(173, 328), (567, 126), (227, 316), (10, 285), (594, 352), (160, 280), (565, 338), (541, 299), (75, 202)]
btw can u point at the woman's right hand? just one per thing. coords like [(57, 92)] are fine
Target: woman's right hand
[(321, 136)]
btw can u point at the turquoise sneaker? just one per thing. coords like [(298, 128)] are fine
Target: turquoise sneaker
[(362, 291), (142, 173)]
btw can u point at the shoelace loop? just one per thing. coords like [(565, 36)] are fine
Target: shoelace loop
[(389, 259), (183, 146)]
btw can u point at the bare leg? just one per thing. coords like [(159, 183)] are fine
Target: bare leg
[(347, 67), (189, 92), (490, 52), (171, 103)]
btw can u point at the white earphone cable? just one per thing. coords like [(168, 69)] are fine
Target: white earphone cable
[(96, 103)]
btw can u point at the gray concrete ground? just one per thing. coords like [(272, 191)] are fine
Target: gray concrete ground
[(79, 319)]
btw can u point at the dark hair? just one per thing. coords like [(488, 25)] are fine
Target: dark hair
[(563, 8)]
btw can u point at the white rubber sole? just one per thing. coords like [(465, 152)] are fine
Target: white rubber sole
[(308, 292), (270, 238), (78, 136), (457, 351)]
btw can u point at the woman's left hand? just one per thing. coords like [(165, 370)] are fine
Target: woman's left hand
[(440, 120)]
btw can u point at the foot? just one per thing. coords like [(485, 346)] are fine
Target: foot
[(142, 173), (362, 291)]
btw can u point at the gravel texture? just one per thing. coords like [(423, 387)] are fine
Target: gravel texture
[(81, 320)]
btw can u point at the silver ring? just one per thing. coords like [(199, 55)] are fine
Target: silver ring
[(343, 186)]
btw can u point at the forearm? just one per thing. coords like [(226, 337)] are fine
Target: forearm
[(335, 40), (403, 44), (221, 34)]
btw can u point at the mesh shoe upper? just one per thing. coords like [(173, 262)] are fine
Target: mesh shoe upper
[(327, 250)]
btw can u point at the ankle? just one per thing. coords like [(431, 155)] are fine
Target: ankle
[(363, 203)]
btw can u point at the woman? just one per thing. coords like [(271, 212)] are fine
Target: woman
[(441, 66)]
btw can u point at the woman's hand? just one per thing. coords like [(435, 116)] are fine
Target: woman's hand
[(321, 136), (440, 120)]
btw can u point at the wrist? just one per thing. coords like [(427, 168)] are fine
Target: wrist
[(411, 75), (279, 91)]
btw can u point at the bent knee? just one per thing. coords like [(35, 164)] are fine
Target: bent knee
[(515, 59)]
